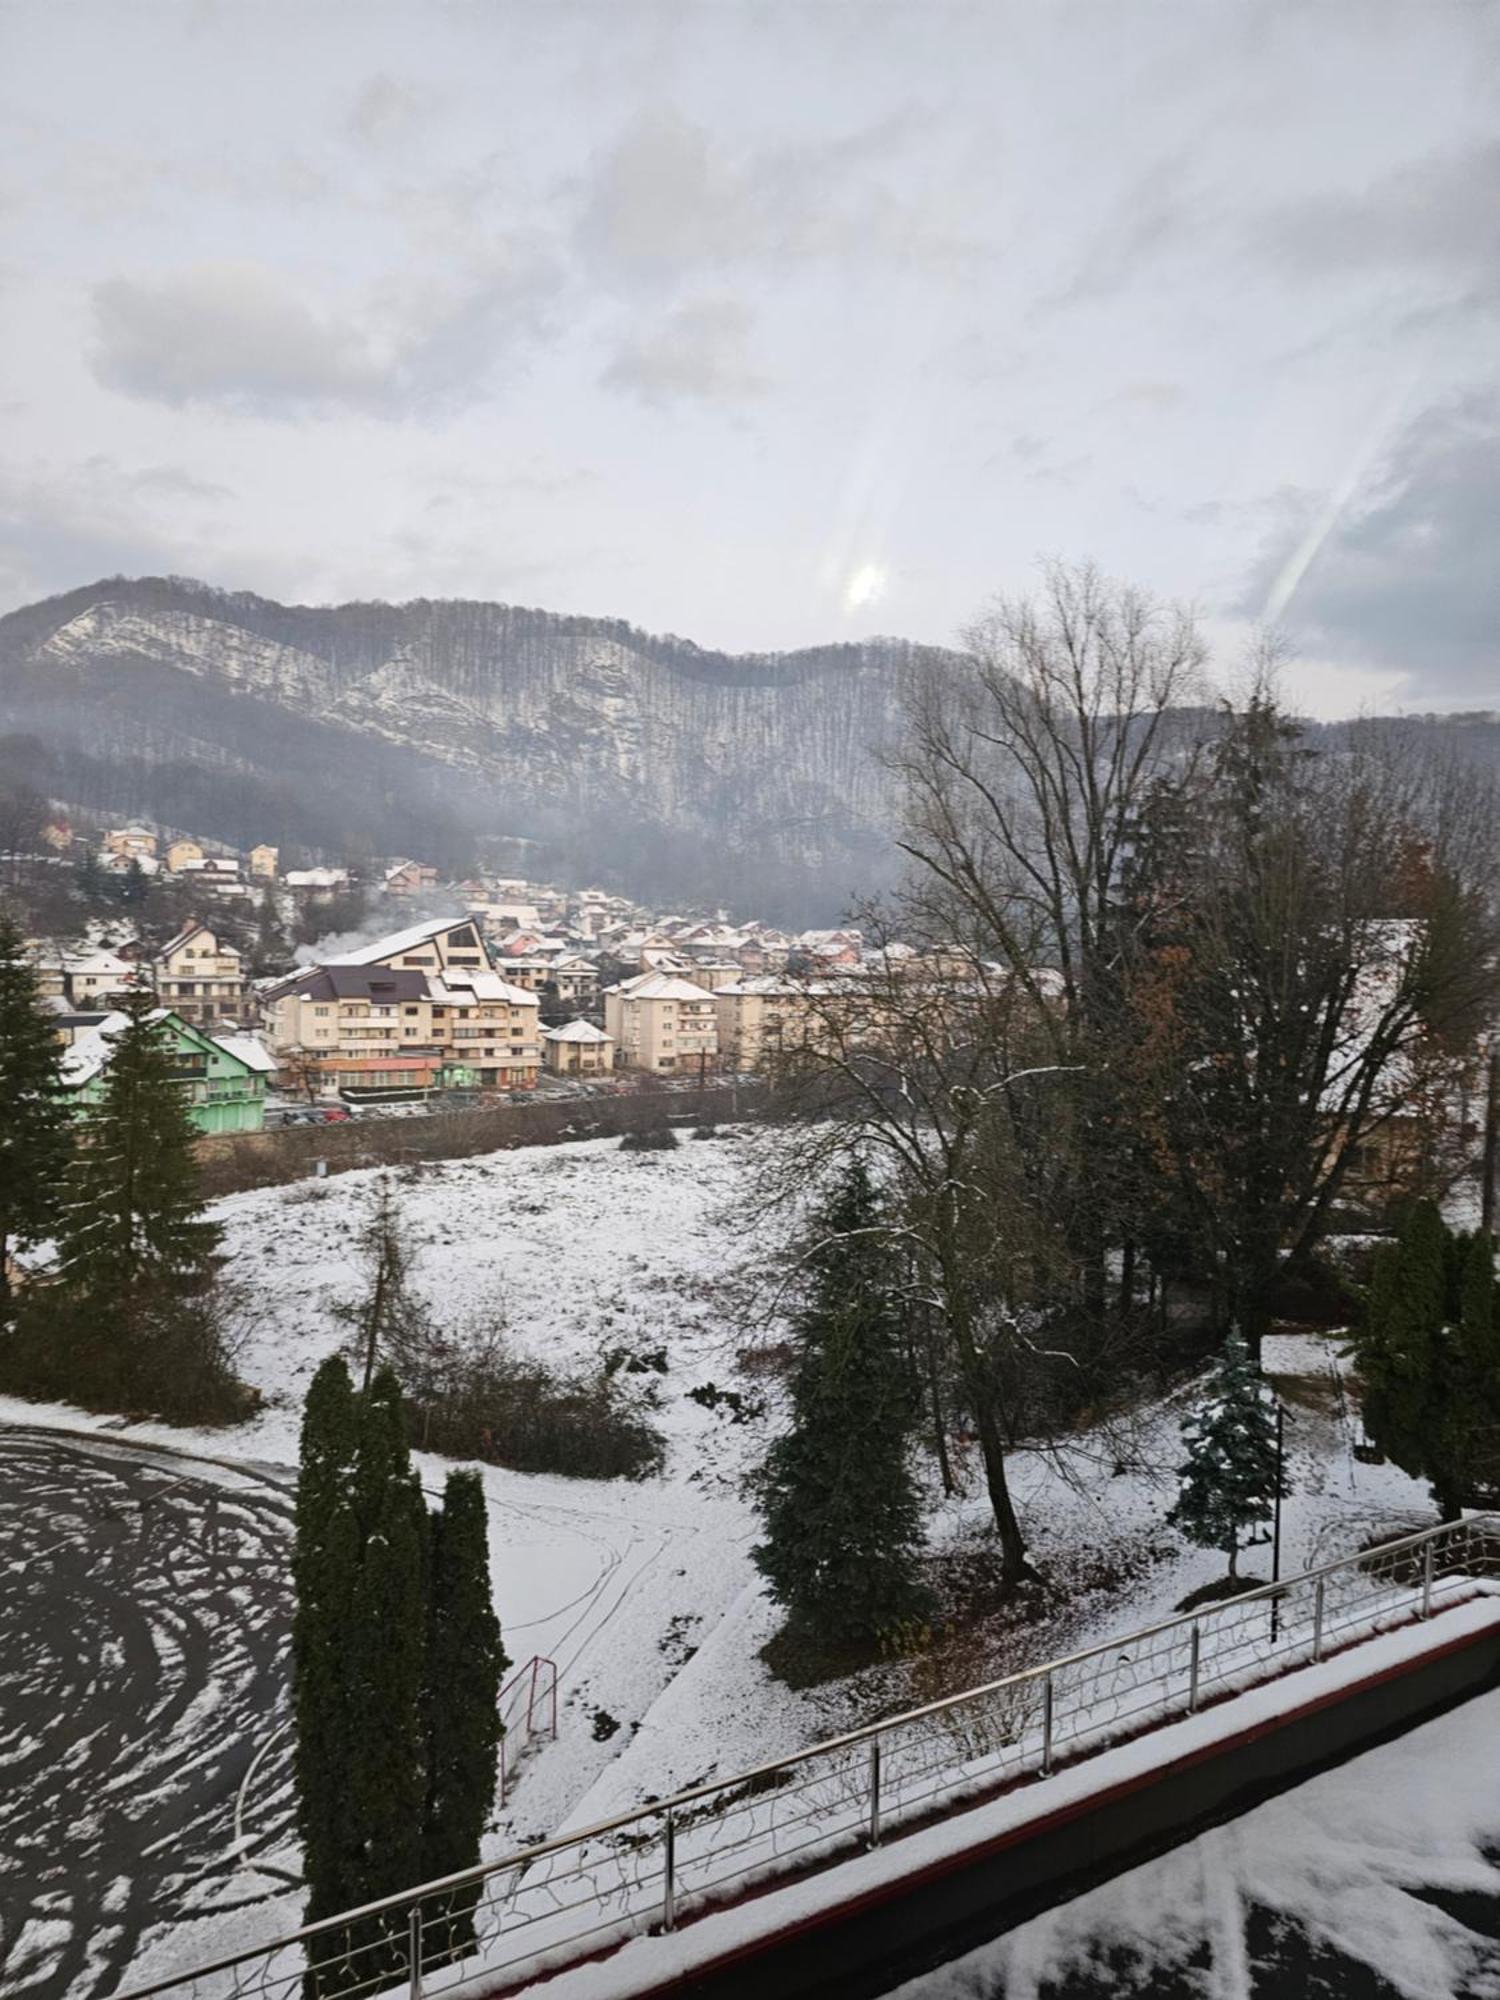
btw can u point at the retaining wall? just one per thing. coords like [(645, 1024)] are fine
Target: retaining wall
[(232, 1162)]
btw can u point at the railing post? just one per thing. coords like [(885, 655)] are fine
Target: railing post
[(1193, 1646), (669, 1873), (1427, 1580), (1047, 1723), (874, 1791), (1318, 1621), (414, 1951)]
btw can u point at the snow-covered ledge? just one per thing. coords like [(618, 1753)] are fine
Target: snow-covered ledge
[(648, 1965)]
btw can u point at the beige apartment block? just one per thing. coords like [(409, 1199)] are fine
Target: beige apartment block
[(131, 843), (662, 1022), (199, 978), (427, 996), (180, 851), (264, 861)]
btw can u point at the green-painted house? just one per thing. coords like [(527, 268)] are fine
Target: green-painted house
[(223, 1078)]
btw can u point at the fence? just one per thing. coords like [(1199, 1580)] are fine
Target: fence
[(567, 1898)]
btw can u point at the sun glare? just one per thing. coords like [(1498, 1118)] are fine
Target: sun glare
[(866, 586)]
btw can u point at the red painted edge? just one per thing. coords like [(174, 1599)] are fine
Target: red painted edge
[(948, 1864)]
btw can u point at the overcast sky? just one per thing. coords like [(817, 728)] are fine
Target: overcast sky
[(768, 323)]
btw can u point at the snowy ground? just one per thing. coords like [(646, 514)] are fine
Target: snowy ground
[(644, 1594)]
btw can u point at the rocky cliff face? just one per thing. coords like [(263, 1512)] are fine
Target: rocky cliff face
[(391, 725)]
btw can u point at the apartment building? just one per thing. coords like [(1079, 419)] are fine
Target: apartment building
[(661, 1022), (416, 1010), (199, 977)]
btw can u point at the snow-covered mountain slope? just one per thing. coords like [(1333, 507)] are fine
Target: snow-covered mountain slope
[(509, 721)]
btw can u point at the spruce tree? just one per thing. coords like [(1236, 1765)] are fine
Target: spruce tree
[(133, 1318), (465, 1665), (840, 1508), (35, 1137), (1227, 1485)]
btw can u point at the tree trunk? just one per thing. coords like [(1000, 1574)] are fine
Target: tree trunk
[(1127, 1275), (939, 1426), (1014, 1567)]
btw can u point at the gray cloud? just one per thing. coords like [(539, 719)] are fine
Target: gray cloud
[(387, 112), (235, 333), (1441, 212), (668, 197), (242, 336), (699, 353), (1409, 577)]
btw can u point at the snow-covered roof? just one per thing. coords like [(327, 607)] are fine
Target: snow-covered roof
[(398, 941), (315, 878), (250, 1050), (576, 1031), (93, 1049), (97, 963), (661, 986), (457, 986)]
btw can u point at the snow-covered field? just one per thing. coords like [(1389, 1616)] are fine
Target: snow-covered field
[(644, 1594)]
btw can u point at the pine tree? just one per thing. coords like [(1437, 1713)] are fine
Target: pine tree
[(465, 1665), (325, 1565), (35, 1138), (841, 1513), (133, 1318), (133, 1213), (1227, 1486)]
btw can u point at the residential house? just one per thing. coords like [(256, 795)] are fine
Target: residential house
[(179, 851), (263, 861), (661, 1022), (409, 878), (578, 1048), (316, 885), (90, 976), (127, 843), (224, 1083), (200, 977)]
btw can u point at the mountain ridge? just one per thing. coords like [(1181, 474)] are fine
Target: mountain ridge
[(437, 724)]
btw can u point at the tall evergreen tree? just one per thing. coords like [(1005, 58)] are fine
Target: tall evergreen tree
[(840, 1508), (133, 1317), (35, 1140), (465, 1665), (1227, 1486), (133, 1214), (325, 1565), (1405, 1353), (387, 1773)]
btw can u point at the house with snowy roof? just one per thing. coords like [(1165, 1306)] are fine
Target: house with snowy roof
[(578, 1048), (223, 1082)]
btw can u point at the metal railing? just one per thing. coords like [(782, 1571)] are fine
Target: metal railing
[(567, 1898)]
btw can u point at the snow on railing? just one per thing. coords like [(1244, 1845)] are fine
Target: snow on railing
[(563, 1899)]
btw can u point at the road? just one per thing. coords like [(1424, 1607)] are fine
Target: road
[(145, 1618)]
